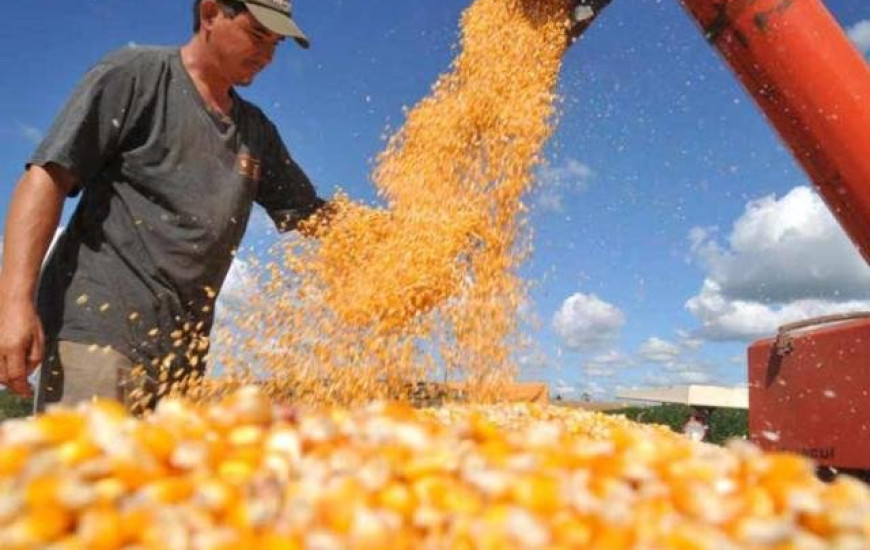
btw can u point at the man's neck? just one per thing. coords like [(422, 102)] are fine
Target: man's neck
[(206, 75)]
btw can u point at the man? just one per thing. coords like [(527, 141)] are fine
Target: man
[(169, 160)]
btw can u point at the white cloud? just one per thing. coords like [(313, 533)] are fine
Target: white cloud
[(591, 390), (689, 341), (238, 287), (693, 377), (572, 176), (261, 226), (677, 362), (611, 357), (233, 303), (724, 319), (529, 315), (680, 377), (679, 373), (585, 322), (784, 250), (607, 364), (786, 259), (533, 360), (564, 388), (657, 350), (30, 133), (688, 364), (859, 33)]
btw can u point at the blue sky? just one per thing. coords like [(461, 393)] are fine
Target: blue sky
[(671, 227)]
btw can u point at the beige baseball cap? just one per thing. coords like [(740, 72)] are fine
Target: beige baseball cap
[(277, 16)]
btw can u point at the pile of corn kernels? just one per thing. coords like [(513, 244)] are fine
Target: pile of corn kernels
[(246, 474)]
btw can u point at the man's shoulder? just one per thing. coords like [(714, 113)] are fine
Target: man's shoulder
[(250, 109), (253, 113), (135, 58)]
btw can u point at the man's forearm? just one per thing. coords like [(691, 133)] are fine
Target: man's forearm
[(31, 222)]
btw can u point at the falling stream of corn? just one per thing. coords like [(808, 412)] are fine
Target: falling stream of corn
[(426, 288), (319, 448)]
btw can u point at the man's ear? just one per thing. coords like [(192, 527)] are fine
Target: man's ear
[(208, 13)]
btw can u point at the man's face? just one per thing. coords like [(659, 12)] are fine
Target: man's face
[(244, 46)]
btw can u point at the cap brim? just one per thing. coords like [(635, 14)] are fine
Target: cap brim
[(279, 23)]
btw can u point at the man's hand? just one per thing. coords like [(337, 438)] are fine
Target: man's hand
[(30, 224), (318, 223), (22, 342)]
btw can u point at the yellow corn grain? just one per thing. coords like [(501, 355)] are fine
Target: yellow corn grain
[(384, 474), (100, 528), (12, 459), (41, 526)]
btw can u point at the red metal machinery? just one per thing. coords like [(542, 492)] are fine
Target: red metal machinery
[(809, 391), (808, 388)]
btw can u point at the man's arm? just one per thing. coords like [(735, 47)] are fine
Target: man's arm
[(32, 220)]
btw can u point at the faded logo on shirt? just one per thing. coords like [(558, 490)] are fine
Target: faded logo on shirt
[(249, 167)]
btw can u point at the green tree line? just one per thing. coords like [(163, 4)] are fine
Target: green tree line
[(724, 424), (12, 406)]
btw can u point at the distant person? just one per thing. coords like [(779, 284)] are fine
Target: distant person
[(169, 160), (697, 427)]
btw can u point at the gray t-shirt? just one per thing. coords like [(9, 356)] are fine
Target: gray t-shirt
[(167, 190)]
